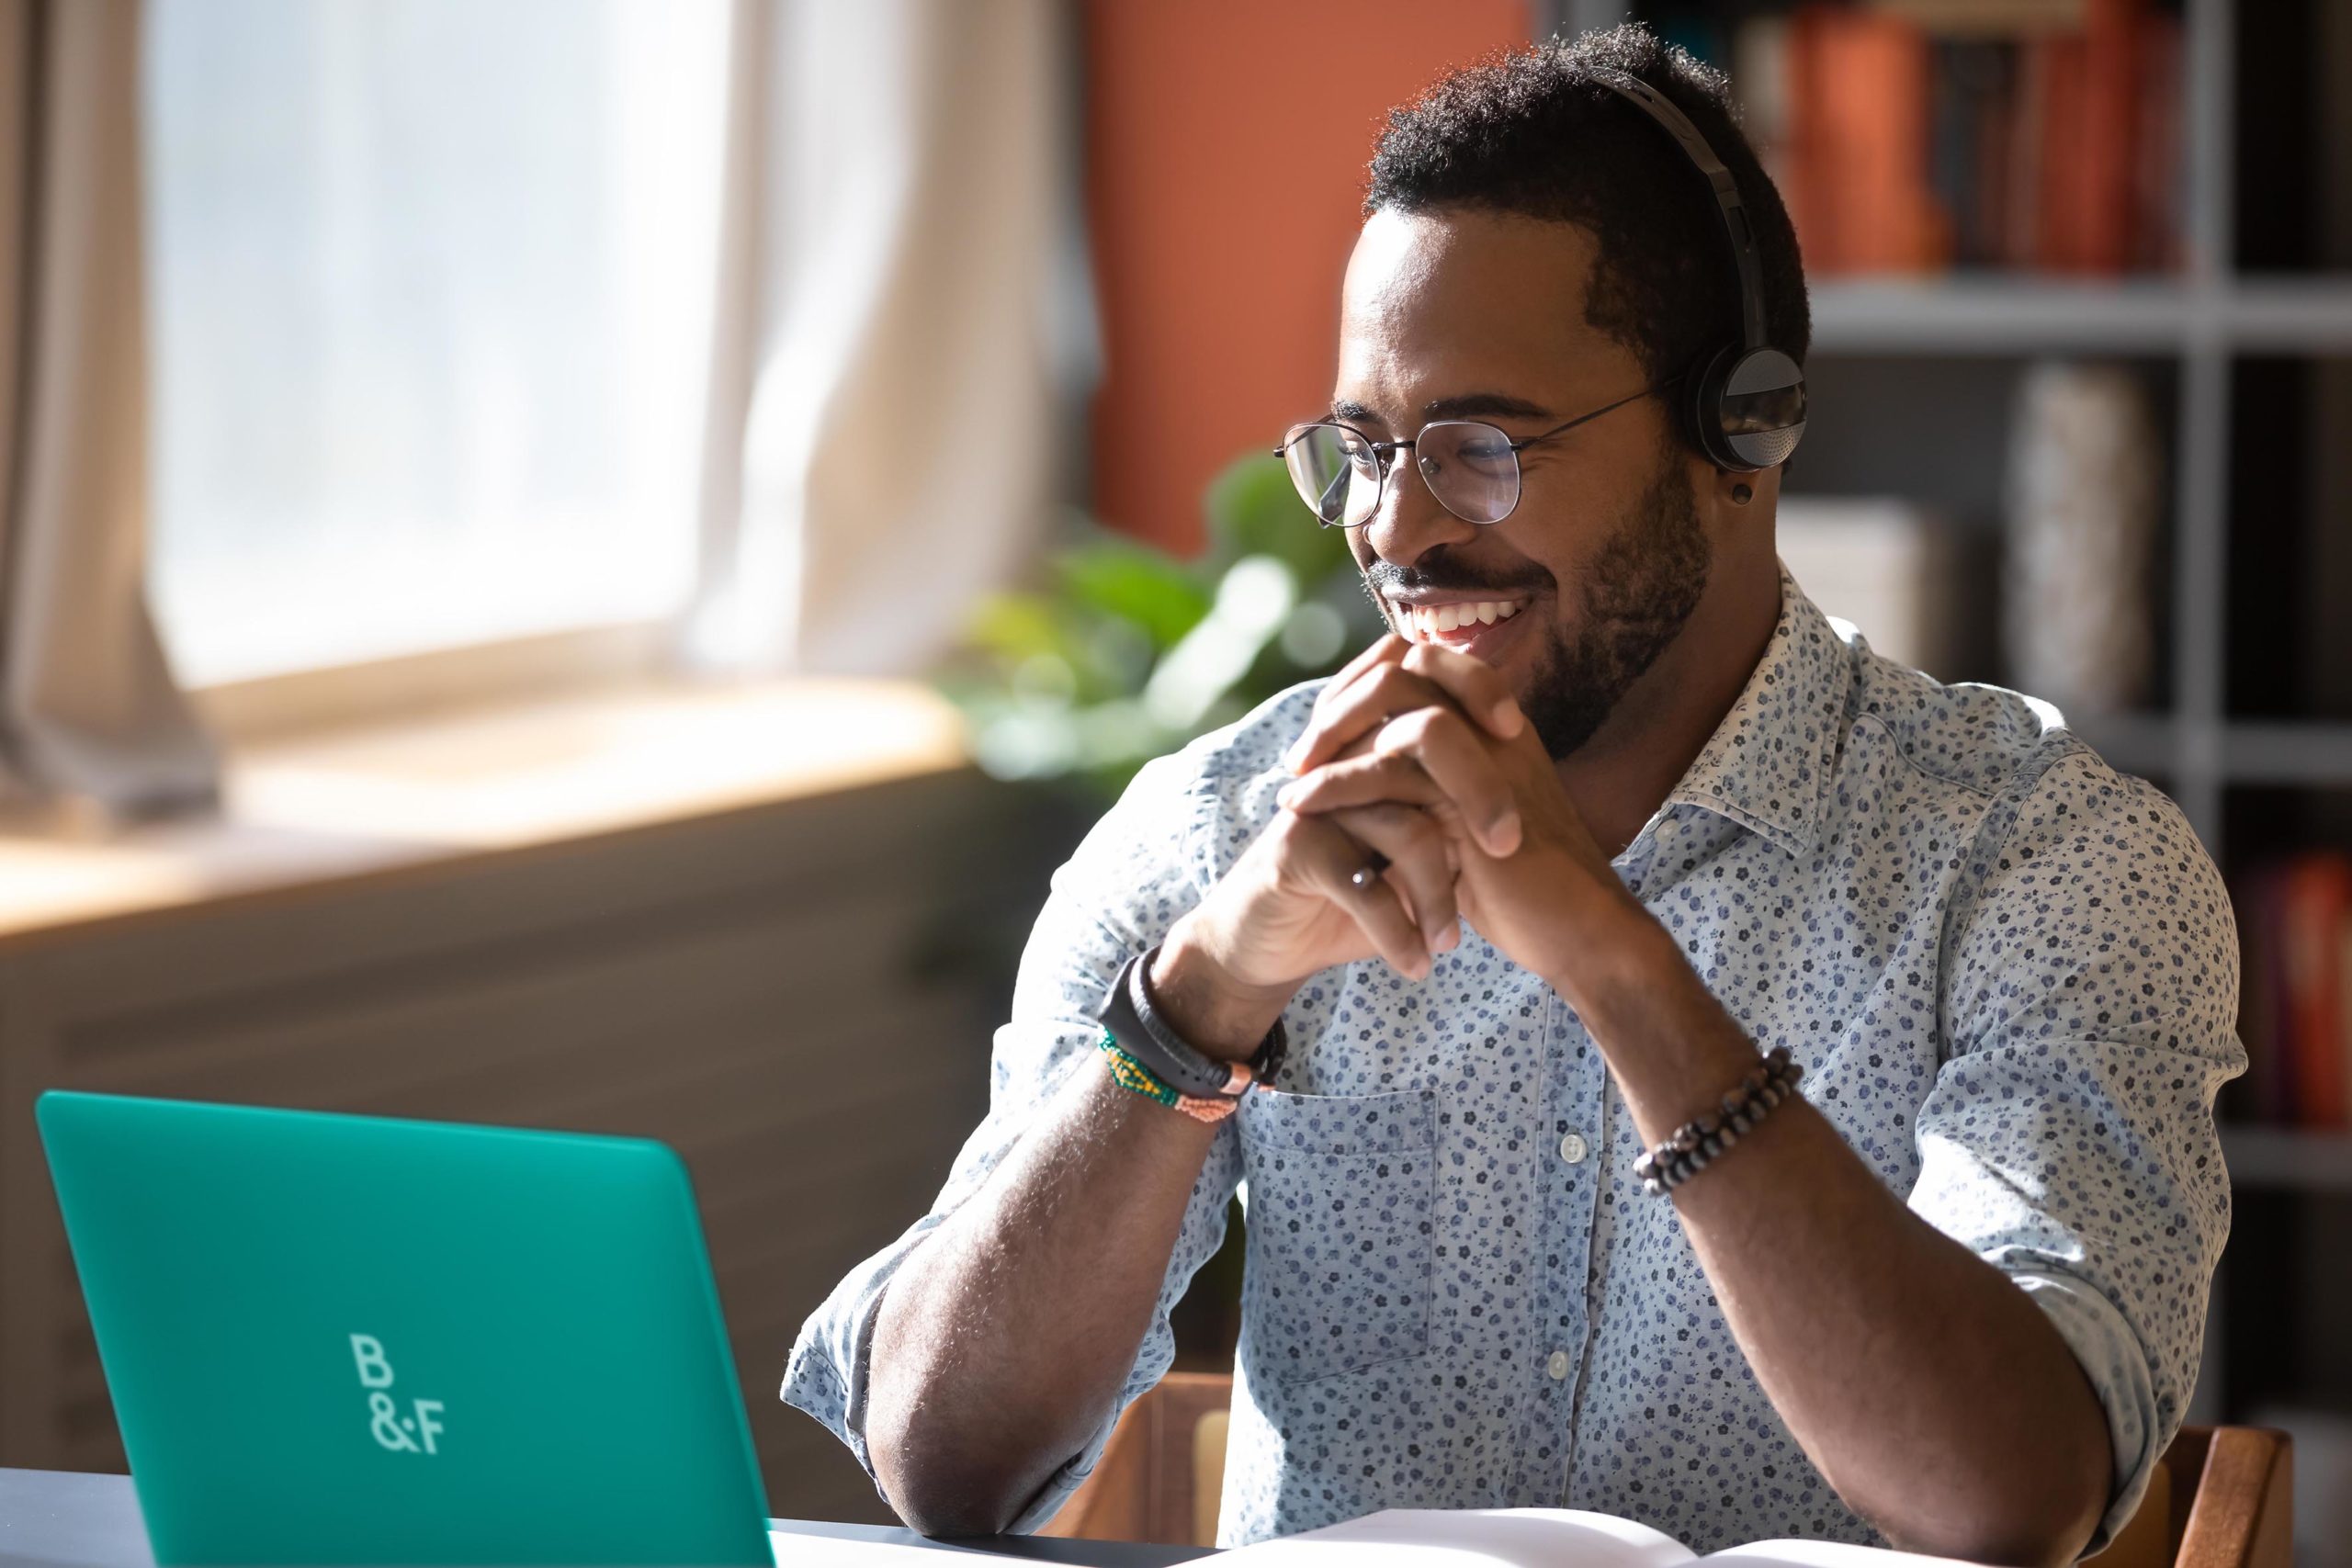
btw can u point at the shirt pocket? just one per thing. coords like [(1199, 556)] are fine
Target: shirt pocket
[(1343, 1198)]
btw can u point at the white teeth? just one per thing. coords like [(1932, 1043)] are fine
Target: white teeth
[(1426, 621)]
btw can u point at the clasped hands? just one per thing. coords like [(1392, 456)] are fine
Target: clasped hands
[(1421, 754)]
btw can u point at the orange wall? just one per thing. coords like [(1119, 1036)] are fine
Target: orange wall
[(1226, 142)]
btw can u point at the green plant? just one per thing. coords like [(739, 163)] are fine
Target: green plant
[(1127, 652)]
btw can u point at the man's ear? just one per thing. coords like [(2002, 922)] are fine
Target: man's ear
[(1725, 488), (1735, 497)]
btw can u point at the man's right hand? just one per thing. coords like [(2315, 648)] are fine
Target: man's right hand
[(1291, 907)]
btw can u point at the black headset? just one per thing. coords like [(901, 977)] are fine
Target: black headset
[(1743, 403)]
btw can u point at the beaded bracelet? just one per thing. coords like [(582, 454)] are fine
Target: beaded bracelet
[(1133, 1077), (1696, 1142)]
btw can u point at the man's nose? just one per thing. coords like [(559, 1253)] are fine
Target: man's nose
[(1408, 520)]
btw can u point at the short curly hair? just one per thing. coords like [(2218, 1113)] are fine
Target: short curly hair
[(1533, 132)]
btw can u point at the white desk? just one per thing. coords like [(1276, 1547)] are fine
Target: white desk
[(53, 1518)]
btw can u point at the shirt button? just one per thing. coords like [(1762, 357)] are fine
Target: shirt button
[(1558, 1365), (1573, 1149)]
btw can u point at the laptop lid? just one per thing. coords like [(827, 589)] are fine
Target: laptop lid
[(350, 1339)]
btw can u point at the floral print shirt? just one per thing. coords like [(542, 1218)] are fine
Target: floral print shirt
[(2011, 974)]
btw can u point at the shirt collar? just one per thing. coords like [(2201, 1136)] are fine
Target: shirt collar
[(1766, 766)]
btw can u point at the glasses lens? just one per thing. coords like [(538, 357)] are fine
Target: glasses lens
[(1337, 472), (1470, 467)]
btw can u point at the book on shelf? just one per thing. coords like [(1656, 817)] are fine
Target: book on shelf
[(1538, 1538), (1884, 564), (2295, 915), (1911, 139), (2082, 517)]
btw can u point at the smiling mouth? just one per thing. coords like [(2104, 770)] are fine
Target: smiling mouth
[(1462, 624)]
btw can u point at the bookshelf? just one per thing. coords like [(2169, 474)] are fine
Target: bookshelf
[(2283, 1158), (1981, 316), (2201, 323), (2257, 768)]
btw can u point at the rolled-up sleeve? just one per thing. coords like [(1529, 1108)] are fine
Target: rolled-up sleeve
[(2090, 1004), (1118, 895)]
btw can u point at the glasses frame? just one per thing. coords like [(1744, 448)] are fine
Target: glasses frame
[(1383, 454)]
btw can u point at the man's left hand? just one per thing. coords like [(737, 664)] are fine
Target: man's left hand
[(1431, 727)]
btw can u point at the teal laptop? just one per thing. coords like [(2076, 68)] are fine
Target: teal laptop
[(348, 1339)]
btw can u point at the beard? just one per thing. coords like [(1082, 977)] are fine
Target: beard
[(1639, 591), (1642, 586), (1638, 596)]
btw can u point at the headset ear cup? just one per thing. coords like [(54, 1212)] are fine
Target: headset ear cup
[(1703, 411), (1757, 407)]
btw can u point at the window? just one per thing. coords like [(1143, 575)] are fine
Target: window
[(431, 286)]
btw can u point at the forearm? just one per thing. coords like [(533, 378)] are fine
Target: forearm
[(1005, 1338), (1923, 1383)]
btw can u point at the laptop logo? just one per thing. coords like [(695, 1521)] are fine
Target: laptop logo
[(401, 1434)]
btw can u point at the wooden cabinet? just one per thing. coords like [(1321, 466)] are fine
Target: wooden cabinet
[(795, 995)]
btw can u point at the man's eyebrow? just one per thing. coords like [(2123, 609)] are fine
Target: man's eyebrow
[(1466, 405), (1472, 405)]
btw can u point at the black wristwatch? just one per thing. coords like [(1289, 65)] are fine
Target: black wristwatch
[(1145, 1033)]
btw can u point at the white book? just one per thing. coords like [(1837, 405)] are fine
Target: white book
[(1881, 565), (795, 1551), (1536, 1538)]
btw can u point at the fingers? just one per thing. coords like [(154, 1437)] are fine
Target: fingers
[(1429, 757), (1407, 911), (1387, 651), (1364, 779), (1476, 686), (1422, 677), (1421, 867), (1445, 748)]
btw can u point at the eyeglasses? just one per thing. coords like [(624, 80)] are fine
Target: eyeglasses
[(1471, 468)]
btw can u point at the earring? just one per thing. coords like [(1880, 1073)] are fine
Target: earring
[(1741, 495)]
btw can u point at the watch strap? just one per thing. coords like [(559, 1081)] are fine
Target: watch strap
[(1129, 1015)]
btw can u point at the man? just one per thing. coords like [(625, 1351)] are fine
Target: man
[(1531, 886)]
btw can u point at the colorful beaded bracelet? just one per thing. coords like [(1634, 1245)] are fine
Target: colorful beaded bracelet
[(1696, 1142), (1133, 1077)]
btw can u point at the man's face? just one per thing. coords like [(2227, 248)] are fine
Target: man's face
[(1475, 315)]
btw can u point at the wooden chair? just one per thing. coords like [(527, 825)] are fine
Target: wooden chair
[(1162, 1476), (2223, 1497)]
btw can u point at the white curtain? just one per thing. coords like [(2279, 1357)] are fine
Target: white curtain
[(88, 705), (902, 317)]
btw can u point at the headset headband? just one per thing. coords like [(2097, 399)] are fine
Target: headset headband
[(1656, 104)]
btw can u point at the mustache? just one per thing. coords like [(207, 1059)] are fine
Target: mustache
[(1386, 576)]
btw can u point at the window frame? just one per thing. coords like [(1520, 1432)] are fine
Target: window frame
[(503, 673)]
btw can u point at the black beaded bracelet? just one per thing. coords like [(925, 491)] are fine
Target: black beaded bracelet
[(1695, 1143)]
